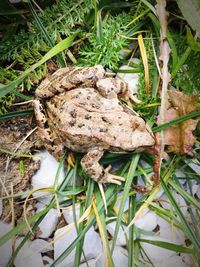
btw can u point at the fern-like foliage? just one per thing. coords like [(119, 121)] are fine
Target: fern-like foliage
[(105, 50), (58, 20), (29, 45), (5, 76)]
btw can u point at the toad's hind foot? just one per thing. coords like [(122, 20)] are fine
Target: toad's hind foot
[(92, 167), (111, 178)]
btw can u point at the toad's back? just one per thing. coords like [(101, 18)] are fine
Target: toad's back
[(84, 120)]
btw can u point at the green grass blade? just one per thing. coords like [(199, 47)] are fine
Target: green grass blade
[(166, 215), (79, 250), (72, 192), (132, 207), (173, 49), (61, 163), (167, 245), (26, 238), (100, 218), (79, 228), (176, 121), (17, 155), (185, 195), (95, 13), (100, 208), (62, 45), (44, 32), (89, 193), (181, 61), (22, 226), (135, 70), (155, 23), (14, 114), (22, 96), (126, 190), (151, 7), (187, 229), (42, 214)]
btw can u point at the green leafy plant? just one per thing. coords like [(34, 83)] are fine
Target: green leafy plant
[(58, 20), (105, 49)]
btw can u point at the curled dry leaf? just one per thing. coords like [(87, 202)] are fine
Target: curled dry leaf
[(179, 137)]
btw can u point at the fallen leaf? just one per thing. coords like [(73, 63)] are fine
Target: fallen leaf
[(179, 137)]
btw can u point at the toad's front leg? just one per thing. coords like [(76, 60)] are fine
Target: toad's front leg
[(44, 131), (90, 163)]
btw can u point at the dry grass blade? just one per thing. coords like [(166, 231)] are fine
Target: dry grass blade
[(103, 234), (62, 45), (103, 196), (145, 61)]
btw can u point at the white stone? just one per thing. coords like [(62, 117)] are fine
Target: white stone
[(188, 259), (48, 261), (174, 260), (119, 256), (155, 253), (172, 234), (68, 213), (48, 224), (180, 174), (121, 239), (25, 194), (131, 78), (45, 176), (159, 194), (6, 249), (91, 263), (179, 200), (195, 167), (196, 190), (27, 257), (66, 235), (118, 202), (148, 222), (40, 245)]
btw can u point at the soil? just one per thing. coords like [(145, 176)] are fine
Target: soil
[(16, 171)]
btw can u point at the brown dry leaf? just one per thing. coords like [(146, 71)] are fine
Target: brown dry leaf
[(179, 137)]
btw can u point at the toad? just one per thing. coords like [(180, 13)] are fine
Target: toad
[(79, 108)]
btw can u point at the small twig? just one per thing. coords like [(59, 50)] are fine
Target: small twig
[(22, 103), (13, 218), (155, 56)]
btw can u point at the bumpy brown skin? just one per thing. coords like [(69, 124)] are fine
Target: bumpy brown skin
[(79, 108)]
